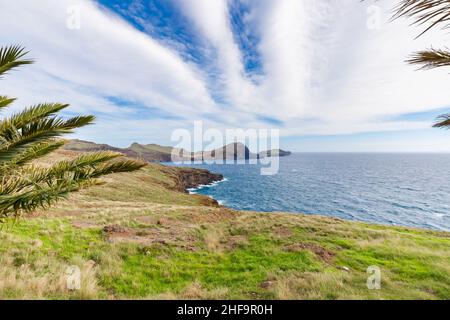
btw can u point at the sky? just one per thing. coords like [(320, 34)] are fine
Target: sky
[(329, 74)]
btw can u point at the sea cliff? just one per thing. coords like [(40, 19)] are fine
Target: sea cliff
[(188, 178)]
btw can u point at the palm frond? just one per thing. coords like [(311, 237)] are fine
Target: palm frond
[(83, 161), (34, 113), (77, 122), (30, 135), (118, 167), (433, 13), (36, 187), (94, 165), (430, 59), (88, 166), (57, 124), (13, 141), (35, 152), (443, 122), (12, 57), (5, 101), (36, 196)]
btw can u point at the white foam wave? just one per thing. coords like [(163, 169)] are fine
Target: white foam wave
[(204, 186)]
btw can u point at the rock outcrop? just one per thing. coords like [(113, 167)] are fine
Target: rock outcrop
[(274, 153), (190, 178)]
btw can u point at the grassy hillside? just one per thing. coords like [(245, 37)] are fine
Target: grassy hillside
[(150, 153), (138, 237), (140, 148)]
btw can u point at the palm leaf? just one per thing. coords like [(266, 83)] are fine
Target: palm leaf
[(91, 165), (83, 161), (432, 14), (35, 152), (13, 141), (431, 59), (37, 196), (117, 167), (30, 135), (443, 122), (5, 101), (34, 113), (12, 57), (36, 187), (425, 12)]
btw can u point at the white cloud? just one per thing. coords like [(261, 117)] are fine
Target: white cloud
[(323, 62), (324, 70), (106, 56), (212, 20)]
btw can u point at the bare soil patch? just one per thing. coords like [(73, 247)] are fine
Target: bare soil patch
[(283, 232), (322, 253), (84, 224), (163, 233)]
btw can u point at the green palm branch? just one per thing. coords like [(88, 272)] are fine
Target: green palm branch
[(443, 122), (12, 57), (430, 14), (34, 133)]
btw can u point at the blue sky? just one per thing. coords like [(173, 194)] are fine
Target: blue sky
[(329, 74)]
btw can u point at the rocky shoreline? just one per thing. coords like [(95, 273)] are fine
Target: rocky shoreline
[(190, 178)]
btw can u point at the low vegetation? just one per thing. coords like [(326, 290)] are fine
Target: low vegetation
[(139, 237)]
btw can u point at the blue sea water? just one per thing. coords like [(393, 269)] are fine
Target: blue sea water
[(396, 189)]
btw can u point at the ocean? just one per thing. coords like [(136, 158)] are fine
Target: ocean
[(393, 189)]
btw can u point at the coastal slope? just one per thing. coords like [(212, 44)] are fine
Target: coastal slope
[(140, 235)]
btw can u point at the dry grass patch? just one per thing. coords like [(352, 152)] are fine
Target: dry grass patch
[(195, 291), (45, 278), (312, 286)]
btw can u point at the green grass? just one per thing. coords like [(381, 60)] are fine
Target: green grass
[(161, 270), (173, 245), (58, 237), (130, 270)]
